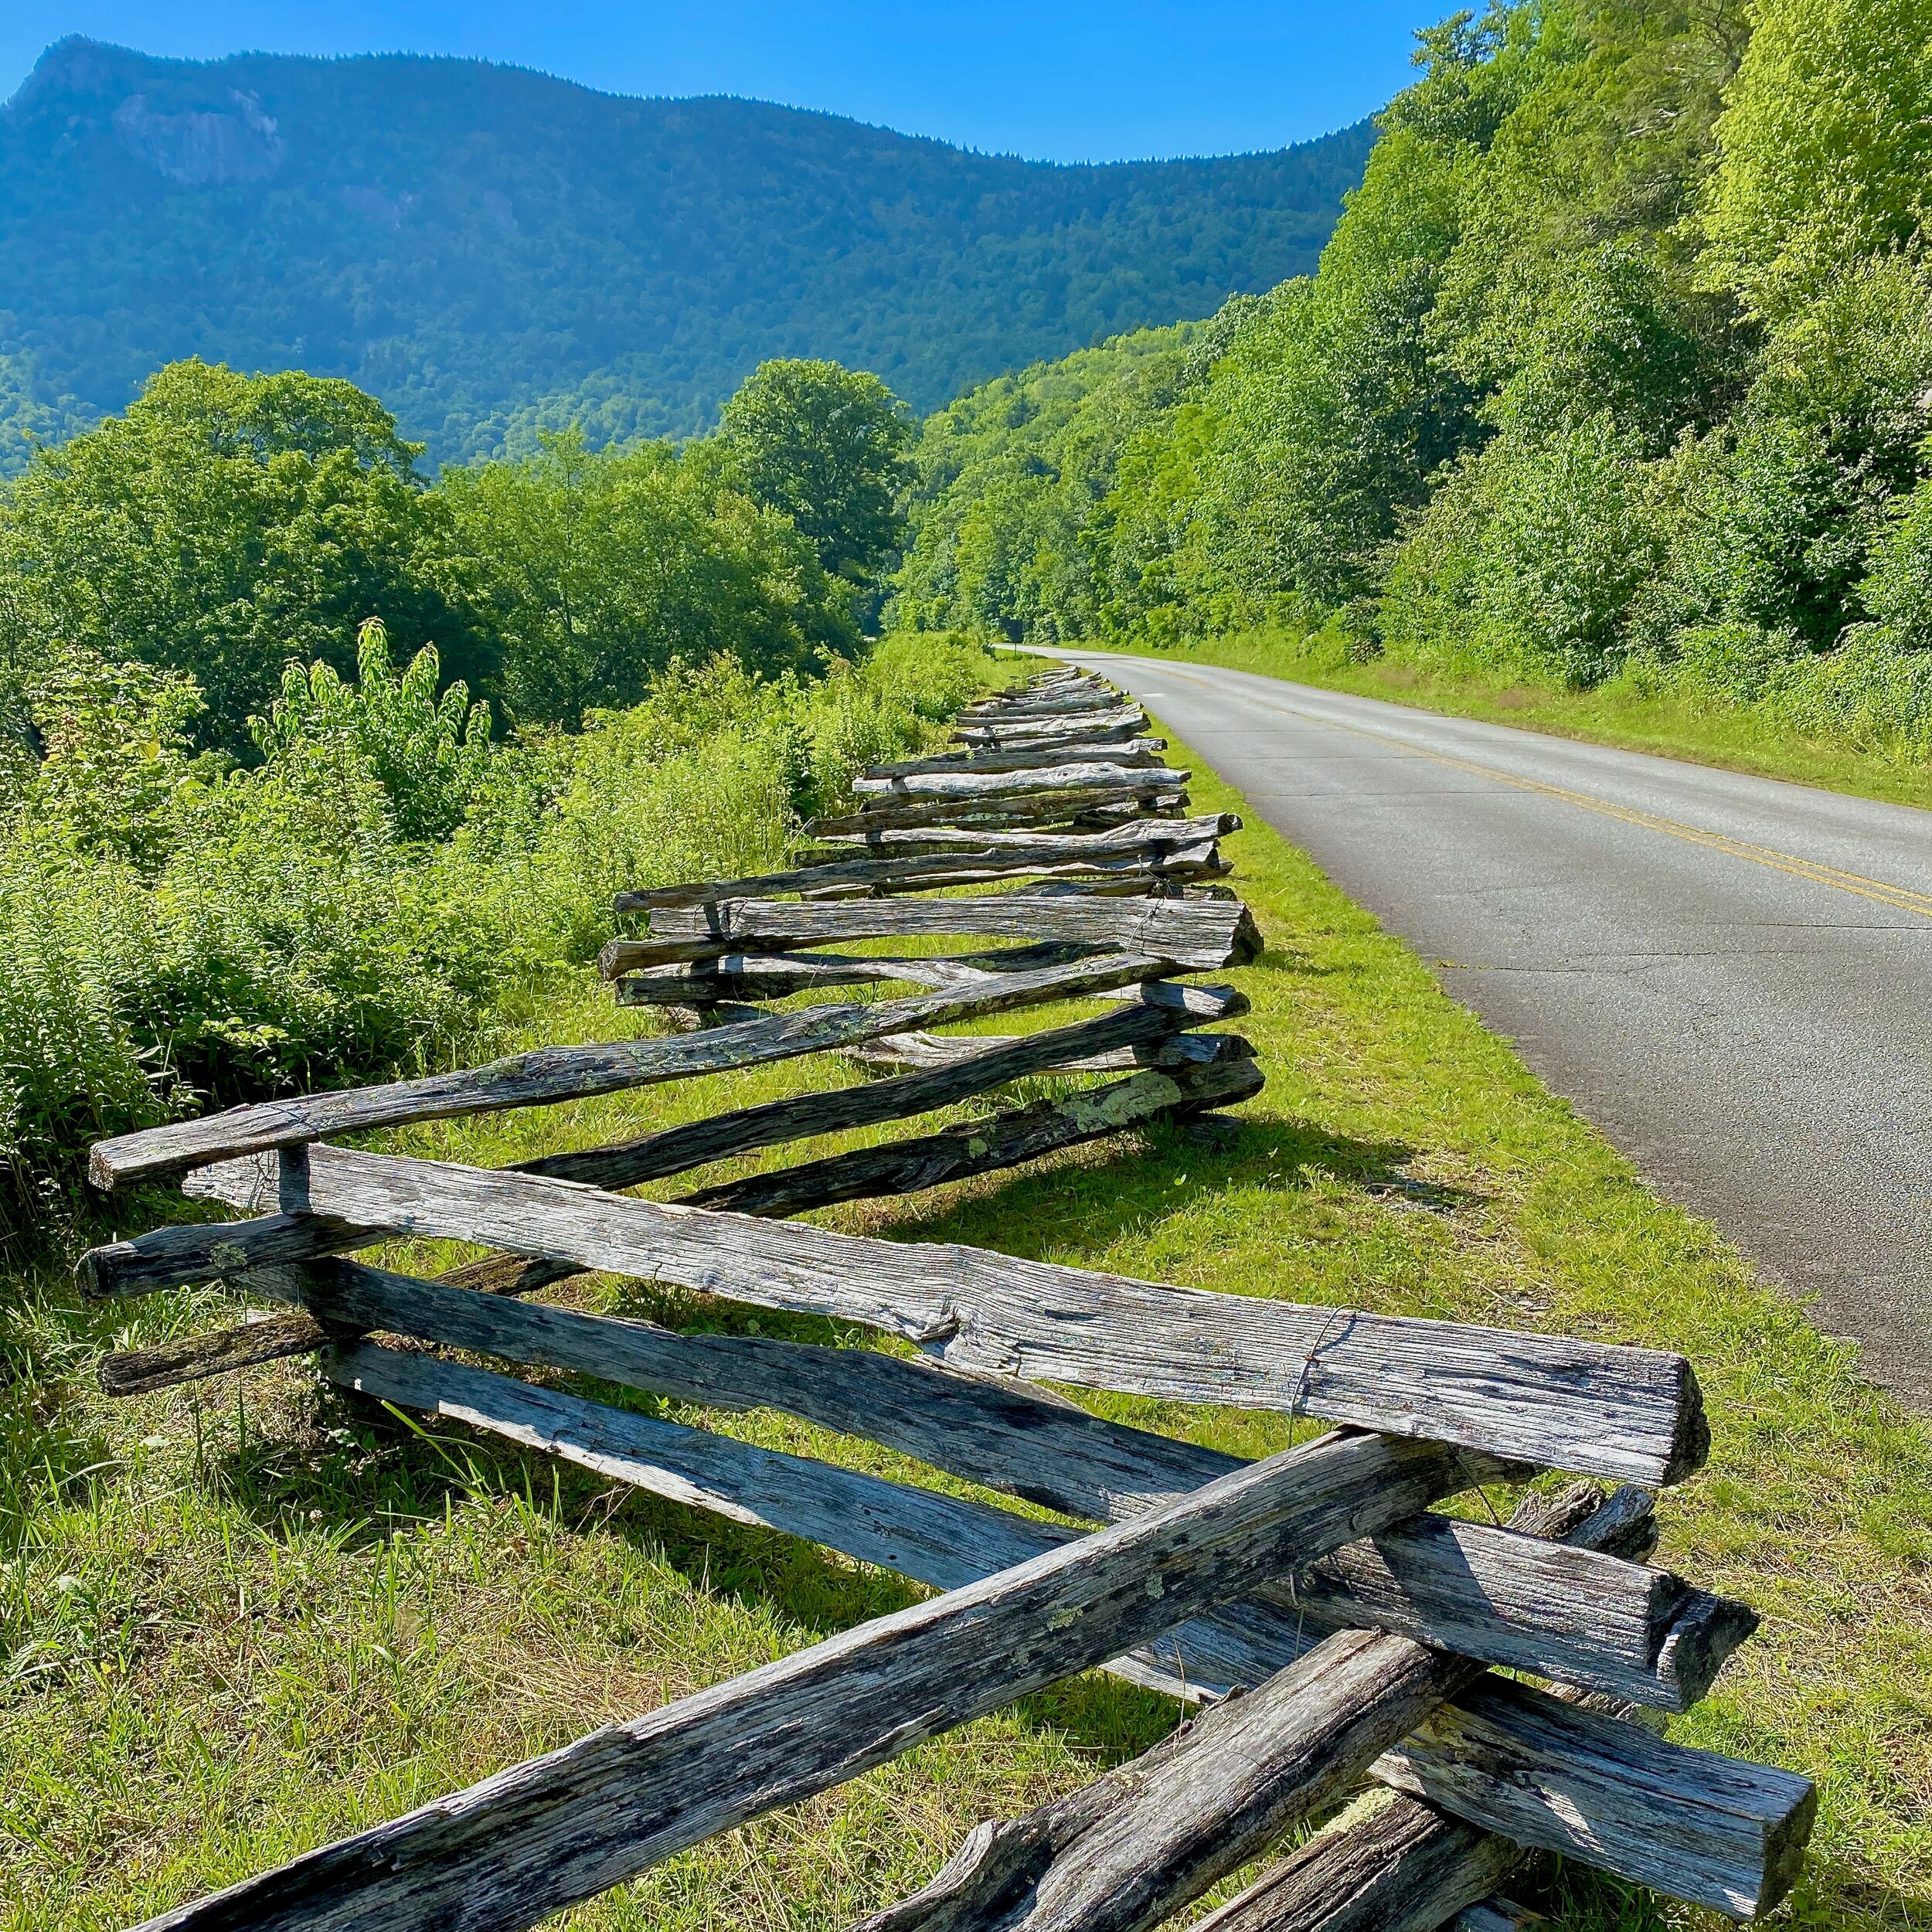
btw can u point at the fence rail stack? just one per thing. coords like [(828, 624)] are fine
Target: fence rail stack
[(1499, 1686)]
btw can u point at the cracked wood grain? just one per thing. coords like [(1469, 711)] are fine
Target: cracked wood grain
[(1195, 935), (574, 1073), (540, 1836), (1630, 1413)]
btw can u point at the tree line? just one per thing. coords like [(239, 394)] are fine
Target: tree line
[(228, 524), (1618, 364), (311, 769)]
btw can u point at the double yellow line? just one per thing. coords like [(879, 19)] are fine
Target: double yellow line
[(1898, 897)]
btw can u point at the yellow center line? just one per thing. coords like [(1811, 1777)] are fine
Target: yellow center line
[(1899, 897)]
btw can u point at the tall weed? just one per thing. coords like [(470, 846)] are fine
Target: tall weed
[(174, 937)]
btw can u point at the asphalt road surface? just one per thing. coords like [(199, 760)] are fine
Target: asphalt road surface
[(1732, 977)]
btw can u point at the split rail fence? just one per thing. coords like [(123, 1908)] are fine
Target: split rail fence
[(1503, 1682)]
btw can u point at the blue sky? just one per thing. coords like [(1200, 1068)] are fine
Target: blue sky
[(1061, 82)]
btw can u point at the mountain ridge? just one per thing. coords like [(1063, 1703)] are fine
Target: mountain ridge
[(489, 248)]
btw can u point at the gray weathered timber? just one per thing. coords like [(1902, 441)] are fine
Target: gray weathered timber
[(1087, 691), (1404, 1867), (778, 975), (995, 785), (1009, 1436), (1497, 1915), (992, 742), (1124, 715), (1136, 791), (183, 1252), (934, 869), (134, 1372), (1196, 887), (1661, 1647), (1157, 873), (1063, 704), (1128, 1850), (1000, 1141), (1046, 734), (930, 1051), (1634, 1414), (1082, 751), (541, 1835), (1214, 1071), (921, 1534), (1002, 1435), (1135, 834), (1733, 1838), (1194, 935), (574, 1073), (1207, 1003), (1059, 705), (775, 975), (1145, 1035), (176, 1256), (987, 1064), (1094, 810), (1392, 1863)]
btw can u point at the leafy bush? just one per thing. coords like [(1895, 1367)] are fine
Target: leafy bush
[(1620, 358), (1825, 147), (595, 572), (1898, 593), (72, 1069), (428, 752), (179, 936), (229, 523), (1527, 561)]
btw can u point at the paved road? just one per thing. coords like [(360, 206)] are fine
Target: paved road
[(1731, 976)]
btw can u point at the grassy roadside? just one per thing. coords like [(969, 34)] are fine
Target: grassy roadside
[(1616, 713), (245, 1618)]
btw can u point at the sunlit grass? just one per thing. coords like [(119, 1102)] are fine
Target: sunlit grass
[(1710, 731), (245, 1617)]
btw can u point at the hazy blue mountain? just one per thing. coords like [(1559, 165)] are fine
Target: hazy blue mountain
[(487, 248)]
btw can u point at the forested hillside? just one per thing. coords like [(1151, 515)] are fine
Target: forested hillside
[(485, 249), (307, 765), (1618, 366)]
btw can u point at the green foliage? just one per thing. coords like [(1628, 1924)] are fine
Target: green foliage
[(1619, 360), (386, 881), (1334, 410), (104, 752), (1008, 478), (227, 524), (1898, 593), (594, 571), (1527, 558), (495, 253), (72, 1067), (428, 752), (825, 446), (1826, 147)]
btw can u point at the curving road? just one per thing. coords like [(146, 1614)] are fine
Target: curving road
[(1731, 976)]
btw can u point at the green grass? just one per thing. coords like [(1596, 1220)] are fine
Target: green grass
[(245, 1617), (1711, 733)]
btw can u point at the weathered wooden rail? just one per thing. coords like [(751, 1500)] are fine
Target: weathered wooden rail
[(1364, 1627)]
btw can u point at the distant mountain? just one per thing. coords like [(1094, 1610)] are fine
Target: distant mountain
[(488, 248)]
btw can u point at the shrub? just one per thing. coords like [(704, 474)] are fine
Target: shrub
[(175, 936), (428, 752), (1528, 560)]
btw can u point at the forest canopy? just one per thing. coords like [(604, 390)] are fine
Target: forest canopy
[(1618, 364), (494, 252), (228, 526)]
